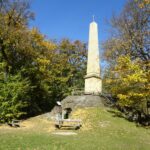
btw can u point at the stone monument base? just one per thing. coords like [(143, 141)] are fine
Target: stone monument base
[(82, 101), (73, 102)]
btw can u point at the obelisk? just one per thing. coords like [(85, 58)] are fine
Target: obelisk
[(93, 82)]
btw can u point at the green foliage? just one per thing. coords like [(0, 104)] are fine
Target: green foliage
[(76, 55), (13, 98)]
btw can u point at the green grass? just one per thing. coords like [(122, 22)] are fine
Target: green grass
[(101, 131)]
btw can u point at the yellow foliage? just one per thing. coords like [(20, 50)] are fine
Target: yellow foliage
[(143, 3), (130, 83), (122, 97), (48, 45), (43, 61)]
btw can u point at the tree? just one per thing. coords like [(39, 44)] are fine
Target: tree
[(76, 54), (35, 72), (15, 51), (129, 83), (128, 56), (13, 98), (14, 35), (130, 33)]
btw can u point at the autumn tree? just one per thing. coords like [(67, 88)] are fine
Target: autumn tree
[(128, 56), (34, 71), (15, 50)]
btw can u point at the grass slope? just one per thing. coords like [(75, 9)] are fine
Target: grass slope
[(101, 130)]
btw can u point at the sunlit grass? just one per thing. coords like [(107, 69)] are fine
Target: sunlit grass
[(101, 130)]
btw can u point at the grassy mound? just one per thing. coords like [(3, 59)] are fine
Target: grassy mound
[(101, 130)]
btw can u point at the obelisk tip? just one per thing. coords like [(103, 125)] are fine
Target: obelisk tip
[(93, 18)]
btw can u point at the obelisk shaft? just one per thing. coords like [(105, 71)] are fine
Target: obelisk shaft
[(93, 50), (93, 83)]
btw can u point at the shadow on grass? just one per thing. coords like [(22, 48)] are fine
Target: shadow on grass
[(68, 128), (116, 114), (139, 123)]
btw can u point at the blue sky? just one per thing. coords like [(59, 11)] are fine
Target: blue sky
[(59, 19)]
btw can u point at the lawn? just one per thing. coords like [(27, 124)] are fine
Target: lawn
[(101, 130)]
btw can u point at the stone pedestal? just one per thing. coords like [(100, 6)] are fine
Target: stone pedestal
[(93, 85)]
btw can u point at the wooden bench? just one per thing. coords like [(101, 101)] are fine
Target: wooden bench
[(70, 123), (14, 123)]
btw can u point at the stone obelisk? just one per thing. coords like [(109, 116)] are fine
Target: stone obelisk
[(93, 82)]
